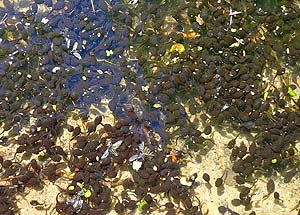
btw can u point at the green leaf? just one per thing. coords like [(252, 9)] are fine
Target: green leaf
[(141, 205), (266, 95), (71, 174), (80, 185), (71, 187), (291, 92), (87, 193)]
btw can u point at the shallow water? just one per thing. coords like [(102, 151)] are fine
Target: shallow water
[(182, 77)]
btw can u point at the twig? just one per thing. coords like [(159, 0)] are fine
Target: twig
[(10, 177), (231, 14), (4, 18), (93, 7)]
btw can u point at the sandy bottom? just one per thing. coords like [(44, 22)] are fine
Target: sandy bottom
[(214, 161)]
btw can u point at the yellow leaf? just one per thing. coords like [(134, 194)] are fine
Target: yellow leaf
[(177, 47), (291, 91), (157, 105), (87, 193), (265, 96), (71, 187), (141, 205), (71, 174), (189, 34)]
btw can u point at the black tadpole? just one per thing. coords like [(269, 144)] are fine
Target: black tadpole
[(220, 181), (276, 195), (91, 128), (232, 143), (70, 128), (270, 186), (76, 132), (98, 120), (206, 177)]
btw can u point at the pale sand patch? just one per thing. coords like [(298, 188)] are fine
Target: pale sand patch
[(215, 162)]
